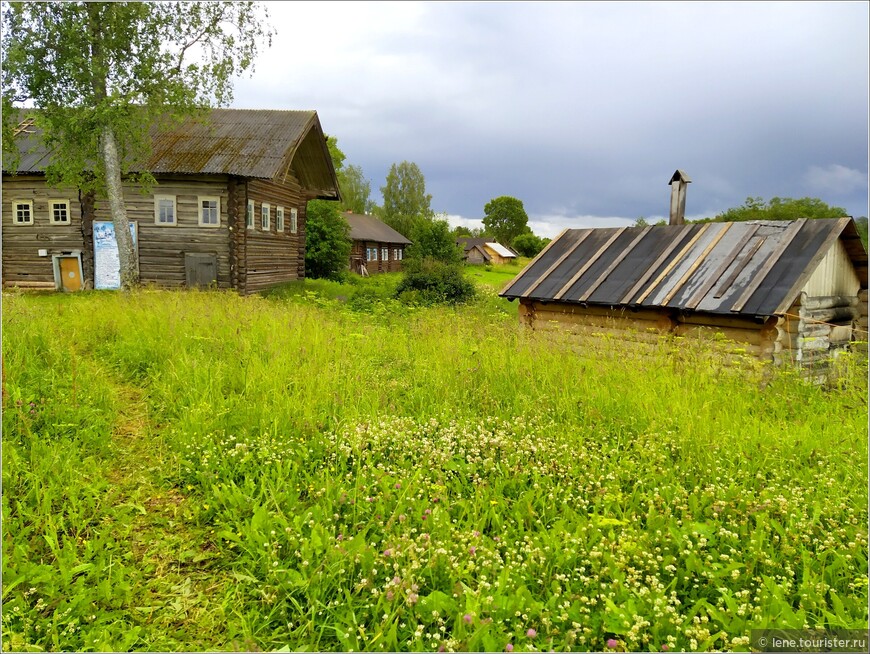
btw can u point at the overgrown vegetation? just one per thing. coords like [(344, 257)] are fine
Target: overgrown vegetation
[(200, 471)]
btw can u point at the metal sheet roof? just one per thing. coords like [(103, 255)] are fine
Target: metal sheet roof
[(500, 249), (244, 142), (752, 268), (368, 228)]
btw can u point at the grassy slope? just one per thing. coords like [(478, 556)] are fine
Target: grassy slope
[(325, 470)]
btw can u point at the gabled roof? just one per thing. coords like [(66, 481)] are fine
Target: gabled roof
[(755, 268), (468, 242), (368, 228), (264, 144)]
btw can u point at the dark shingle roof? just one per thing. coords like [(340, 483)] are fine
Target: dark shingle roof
[(752, 268), (244, 142), (369, 228)]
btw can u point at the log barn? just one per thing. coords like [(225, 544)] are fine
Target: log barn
[(782, 291), (377, 247), (485, 250), (228, 209)]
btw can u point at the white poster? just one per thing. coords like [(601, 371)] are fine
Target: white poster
[(107, 265)]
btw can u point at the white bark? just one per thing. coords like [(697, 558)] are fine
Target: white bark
[(115, 192)]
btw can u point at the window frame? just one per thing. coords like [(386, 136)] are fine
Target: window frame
[(59, 201), (385, 254), (199, 209), (279, 219), (15, 205), (157, 200), (265, 217), (294, 220), (249, 215)]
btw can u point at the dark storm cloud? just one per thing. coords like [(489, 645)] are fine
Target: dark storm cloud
[(584, 110)]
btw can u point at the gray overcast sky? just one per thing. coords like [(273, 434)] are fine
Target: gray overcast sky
[(583, 110)]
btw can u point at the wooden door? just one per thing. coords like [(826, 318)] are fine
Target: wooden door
[(70, 273), (200, 269)]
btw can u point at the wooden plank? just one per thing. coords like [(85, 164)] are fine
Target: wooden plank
[(673, 263), (588, 264), (650, 270), (701, 293), (695, 265), (772, 259), (739, 268), (603, 276), (549, 270), (540, 255)]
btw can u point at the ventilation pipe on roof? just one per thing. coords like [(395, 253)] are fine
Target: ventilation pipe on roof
[(678, 184)]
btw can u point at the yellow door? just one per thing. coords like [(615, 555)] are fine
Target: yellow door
[(70, 275)]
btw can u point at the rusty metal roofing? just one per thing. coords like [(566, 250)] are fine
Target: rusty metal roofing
[(752, 268), (369, 228), (245, 142)]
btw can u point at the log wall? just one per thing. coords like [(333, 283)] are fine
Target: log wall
[(22, 266), (358, 253)]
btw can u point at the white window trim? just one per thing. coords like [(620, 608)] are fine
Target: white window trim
[(265, 217), (294, 219), (157, 221), (387, 257), (279, 219), (249, 215), (208, 198), (51, 219), (15, 204)]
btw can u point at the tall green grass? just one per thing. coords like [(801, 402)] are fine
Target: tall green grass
[(365, 475)]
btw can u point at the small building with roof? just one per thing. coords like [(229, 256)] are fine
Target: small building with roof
[(485, 250), (377, 247), (228, 209), (783, 291)]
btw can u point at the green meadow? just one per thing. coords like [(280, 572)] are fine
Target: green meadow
[(323, 468)]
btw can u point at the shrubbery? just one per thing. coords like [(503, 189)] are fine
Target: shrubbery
[(434, 282)]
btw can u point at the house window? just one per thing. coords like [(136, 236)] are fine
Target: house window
[(58, 212), (371, 254), (249, 216), (209, 211), (22, 212), (265, 220), (397, 254), (294, 214), (385, 254), (279, 219), (164, 209)]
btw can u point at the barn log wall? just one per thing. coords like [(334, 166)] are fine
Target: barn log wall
[(271, 257), (162, 247), (359, 249), (861, 333), (22, 266)]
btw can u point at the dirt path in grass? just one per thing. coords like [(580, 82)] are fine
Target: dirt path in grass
[(181, 589)]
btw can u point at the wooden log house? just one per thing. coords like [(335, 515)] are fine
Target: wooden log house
[(485, 250), (781, 291), (228, 208), (377, 247)]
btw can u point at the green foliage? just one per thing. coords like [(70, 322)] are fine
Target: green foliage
[(528, 245), (406, 203), (435, 282), (861, 225), (505, 218), (778, 209), (433, 239), (327, 240), (356, 190)]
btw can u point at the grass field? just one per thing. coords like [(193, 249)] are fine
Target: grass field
[(326, 469)]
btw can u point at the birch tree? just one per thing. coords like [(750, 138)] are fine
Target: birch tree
[(102, 74)]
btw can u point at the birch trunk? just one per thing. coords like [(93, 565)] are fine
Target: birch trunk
[(115, 192)]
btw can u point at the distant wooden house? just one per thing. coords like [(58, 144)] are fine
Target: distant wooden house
[(786, 291), (485, 250), (228, 208), (377, 247)]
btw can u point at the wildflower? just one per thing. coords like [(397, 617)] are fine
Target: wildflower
[(665, 647), (531, 633), (388, 553), (612, 643), (472, 549), (467, 618), (509, 648), (398, 484)]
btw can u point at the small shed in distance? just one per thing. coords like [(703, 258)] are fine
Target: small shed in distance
[(785, 291), (485, 250), (377, 247)]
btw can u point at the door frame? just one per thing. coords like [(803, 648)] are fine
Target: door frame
[(55, 262)]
